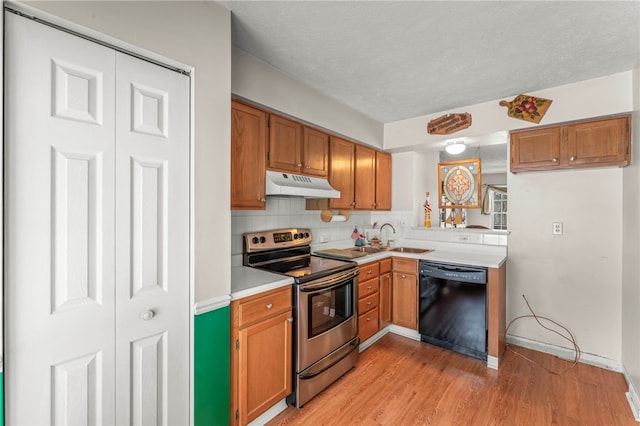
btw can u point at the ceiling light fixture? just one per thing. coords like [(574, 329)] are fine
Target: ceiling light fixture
[(455, 147)]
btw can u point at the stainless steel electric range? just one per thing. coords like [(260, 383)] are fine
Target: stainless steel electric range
[(324, 302)]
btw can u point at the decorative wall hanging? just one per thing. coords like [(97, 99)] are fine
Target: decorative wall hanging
[(449, 123), (527, 108), (460, 183)]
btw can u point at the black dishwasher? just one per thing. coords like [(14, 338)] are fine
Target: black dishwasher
[(453, 307)]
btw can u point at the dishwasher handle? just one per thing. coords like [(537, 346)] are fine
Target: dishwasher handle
[(461, 273)]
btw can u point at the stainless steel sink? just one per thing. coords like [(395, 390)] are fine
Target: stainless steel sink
[(365, 249), (410, 250)]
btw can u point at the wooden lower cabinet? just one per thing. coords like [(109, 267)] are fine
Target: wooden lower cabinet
[(384, 303), (261, 349), (368, 300), (405, 293)]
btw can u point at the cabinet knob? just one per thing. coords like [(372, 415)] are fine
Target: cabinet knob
[(307, 166), (368, 303), (554, 159), (368, 319), (270, 306), (290, 319), (403, 276), (369, 287), (261, 199), (573, 158), (147, 315), (299, 165), (369, 272)]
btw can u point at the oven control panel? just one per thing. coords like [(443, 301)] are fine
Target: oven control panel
[(276, 238)]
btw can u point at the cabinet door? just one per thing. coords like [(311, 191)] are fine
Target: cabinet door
[(285, 141), (248, 157), (383, 181), (315, 152), (537, 149), (342, 172), (368, 324), (405, 300), (264, 356), (365, 178), (599, 143), (384, 302)]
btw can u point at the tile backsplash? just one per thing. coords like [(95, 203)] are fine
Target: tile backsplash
[(289, 212)]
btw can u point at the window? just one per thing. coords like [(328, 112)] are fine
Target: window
[(499, 209)]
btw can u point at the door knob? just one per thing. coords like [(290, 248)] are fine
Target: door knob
[(147, 315)]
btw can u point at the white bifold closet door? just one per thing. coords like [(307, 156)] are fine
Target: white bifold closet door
[(96, 233)]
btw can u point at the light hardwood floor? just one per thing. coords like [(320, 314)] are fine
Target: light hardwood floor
[(399, 381)]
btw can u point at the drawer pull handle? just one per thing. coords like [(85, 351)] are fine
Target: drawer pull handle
[(270, 305), (370, 272), (368, 319), (369, 287), (368, 303)]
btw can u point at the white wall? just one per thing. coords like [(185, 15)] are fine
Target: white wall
[(197, 34), (261, 83), (631, 250), (590, 98), (575, 279)]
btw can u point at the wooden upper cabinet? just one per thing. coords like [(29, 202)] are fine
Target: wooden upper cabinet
[(285, 148), (296, 148), (383, 181), (600, 143), (365, 178), (315, 152), (586, 143), (342, 172), (248, 157), (537, 149)]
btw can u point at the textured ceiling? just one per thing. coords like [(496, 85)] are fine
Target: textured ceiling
[(402, 59)]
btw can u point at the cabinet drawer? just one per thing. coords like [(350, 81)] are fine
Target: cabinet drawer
[(368, 287), (368, 271), (409, 266), (368, 324), (367, 303), (264, 305), (385, 266)]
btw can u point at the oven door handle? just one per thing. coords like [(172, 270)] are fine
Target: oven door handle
[(330, 282), (330, 360)]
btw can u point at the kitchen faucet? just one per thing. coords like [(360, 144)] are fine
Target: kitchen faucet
[(394, 231)]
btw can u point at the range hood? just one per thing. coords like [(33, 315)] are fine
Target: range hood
[(288, 184)]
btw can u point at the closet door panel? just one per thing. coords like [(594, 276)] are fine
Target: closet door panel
[(59, 227), (152, 236)]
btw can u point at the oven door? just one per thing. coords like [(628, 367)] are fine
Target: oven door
[(327, 316)]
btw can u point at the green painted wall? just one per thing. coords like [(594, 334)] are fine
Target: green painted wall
[(211, 368), (1, 400)]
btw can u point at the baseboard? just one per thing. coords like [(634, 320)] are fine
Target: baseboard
[(211, 304), (565, 353), (403, 331), (493, 362), (632, 396), (371, 340), (270, 414)]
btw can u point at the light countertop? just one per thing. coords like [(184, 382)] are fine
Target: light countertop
[(246, 281)]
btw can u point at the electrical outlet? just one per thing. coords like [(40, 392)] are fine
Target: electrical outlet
[(557, 228), (324, 238)]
